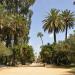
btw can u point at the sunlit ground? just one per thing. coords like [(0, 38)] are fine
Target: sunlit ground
[(35, 70)]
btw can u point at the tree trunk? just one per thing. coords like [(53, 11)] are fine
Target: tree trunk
[(41, 40), (54, 36), (14, 57), (8, 40), (5, 60), (16, 6), (66, 33)]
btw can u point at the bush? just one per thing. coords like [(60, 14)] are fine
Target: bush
[(4, 54), (22, 54), (55, 54), (46, 53), (27, 55), (60, 58)]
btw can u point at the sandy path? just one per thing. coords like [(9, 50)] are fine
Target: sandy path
[(33, 71)]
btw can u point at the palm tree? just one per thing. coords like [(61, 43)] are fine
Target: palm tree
[(68, 20), (40, 35), (53, 23)]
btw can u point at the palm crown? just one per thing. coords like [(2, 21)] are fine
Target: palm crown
[(53, 22)]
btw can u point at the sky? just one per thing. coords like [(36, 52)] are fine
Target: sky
[(40, 11)]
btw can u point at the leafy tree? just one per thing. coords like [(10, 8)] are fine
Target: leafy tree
[(46, 53), (13, 25), (61, 55), (15, 20), (4, 51), (71, 42), (27, 55), (21, 7), (4, 54)]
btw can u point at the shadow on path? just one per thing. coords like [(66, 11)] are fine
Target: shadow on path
[(72, 72)]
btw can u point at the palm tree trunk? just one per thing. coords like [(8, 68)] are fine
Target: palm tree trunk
[(66, 33), (13, 62), (41, 41), (54, 36)]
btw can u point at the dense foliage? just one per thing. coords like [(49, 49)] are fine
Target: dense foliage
[(15, 21), (62, 53)]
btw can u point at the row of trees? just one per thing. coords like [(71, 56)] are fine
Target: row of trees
[(62, 53), (13, 29), (17, 55), (58, 21), (15, 21), (21, 8)]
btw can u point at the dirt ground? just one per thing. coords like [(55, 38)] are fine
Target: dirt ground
[(34, 70)]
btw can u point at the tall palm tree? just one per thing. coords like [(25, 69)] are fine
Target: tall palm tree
[(53, 23), (68, 20), (40, 35)]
